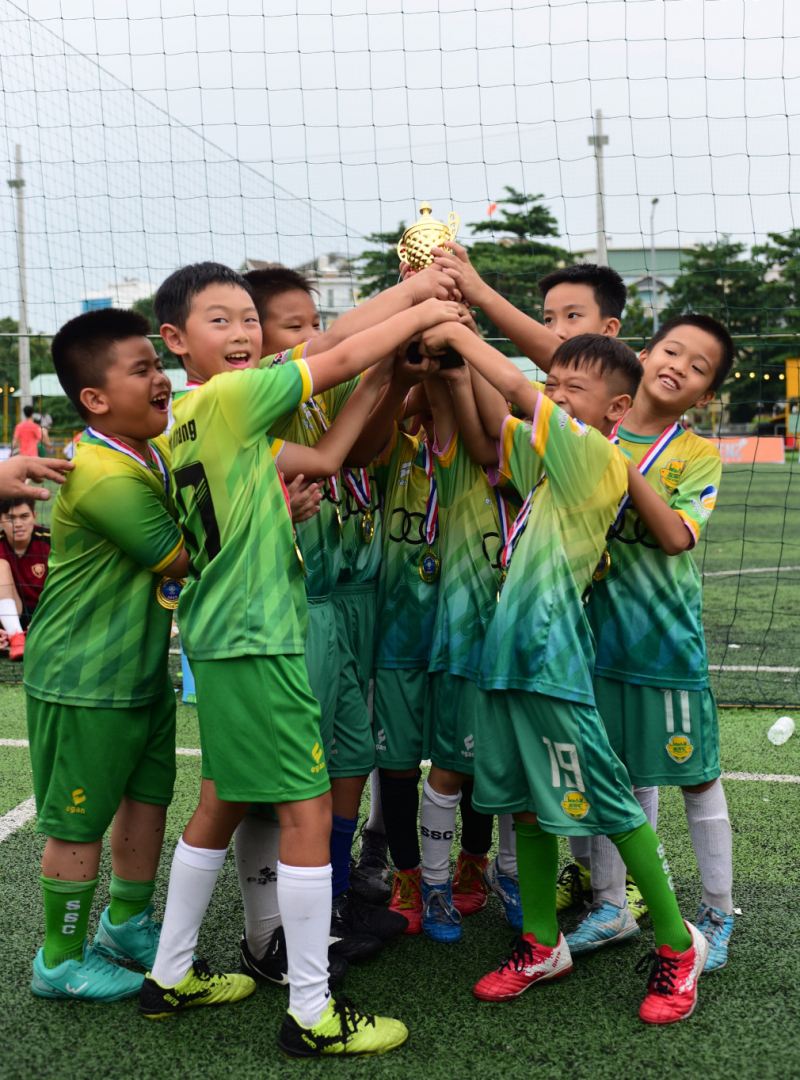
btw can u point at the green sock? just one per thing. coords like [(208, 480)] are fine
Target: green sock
[(66, 918), (128, 898), (643, 854), (537, 862)]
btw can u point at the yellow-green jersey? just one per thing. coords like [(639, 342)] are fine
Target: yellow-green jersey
[(647, 613), (245, 595), (320, 537), (470, 549), (539, 638), (362, 533), (98, 636), (407, 589)]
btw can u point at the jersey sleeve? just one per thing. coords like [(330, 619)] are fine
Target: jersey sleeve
[(129, 513), (695, 498), (252, 401), (517, 463), (575, 456)]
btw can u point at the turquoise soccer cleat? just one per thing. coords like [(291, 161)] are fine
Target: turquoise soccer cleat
[(603, 924), (92, 978), (136, 939)]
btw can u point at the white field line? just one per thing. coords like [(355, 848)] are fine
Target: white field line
[(16, 818), (181, 751), (755, 667), (770, 778), (752, 570)]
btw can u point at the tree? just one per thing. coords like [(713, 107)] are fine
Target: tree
[(145, 307), (378, 267)]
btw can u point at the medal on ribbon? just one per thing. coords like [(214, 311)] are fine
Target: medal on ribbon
[(357, 483), (430, 564), (309, 407), (509, 535), (168, 592)]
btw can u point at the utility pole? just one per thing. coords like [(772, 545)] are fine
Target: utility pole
[(17, 186), (598, 141), (653, 280)]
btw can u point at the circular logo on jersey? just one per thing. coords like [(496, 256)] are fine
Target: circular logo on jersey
[(168, 593), (429, 565), (680, 748), (39, 569), (575, 804)]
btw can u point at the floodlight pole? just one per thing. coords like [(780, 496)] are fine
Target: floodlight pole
[(17, 186), (653, 281), (598, 141)]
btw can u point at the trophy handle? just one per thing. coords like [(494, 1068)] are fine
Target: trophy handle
[(453, 222), (401, 249)]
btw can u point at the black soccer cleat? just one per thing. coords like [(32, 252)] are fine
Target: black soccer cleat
[(274, 964), (370, 875)]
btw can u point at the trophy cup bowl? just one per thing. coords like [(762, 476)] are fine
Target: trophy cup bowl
[(417, 242)]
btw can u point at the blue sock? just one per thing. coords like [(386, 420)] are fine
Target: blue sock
[(342, 833)]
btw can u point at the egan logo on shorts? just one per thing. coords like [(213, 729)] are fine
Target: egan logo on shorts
[(78, 798), (679, 748), (380, 741), (575, 804), (469, 747), (318, 758)]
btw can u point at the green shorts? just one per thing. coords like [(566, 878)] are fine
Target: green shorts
[(352, 752), (452, 722), (399, 717), (322, 661), (664, 737), (550, 757), (85, 760), (259, 729)]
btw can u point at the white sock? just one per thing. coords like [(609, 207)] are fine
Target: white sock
[(191, 882), (304, 897), (255, 844), (710, 830), (648, 800), (507, 847), (437, 823), (581, 848), (608, 872), (9, 619), (375, 819)]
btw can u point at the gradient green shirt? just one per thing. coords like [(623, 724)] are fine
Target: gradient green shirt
[(245, 596), (539, 638), (647, 613), (98, 636), (470, 549)]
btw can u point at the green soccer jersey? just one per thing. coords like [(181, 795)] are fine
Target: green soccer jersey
[(361, 527), (99, 637), (646, 614), (406, 602), (539, 638), (470, 549), (245, 595)]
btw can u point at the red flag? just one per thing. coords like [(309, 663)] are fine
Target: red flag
[(492, 208)]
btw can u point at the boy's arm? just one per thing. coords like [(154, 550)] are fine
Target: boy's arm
[(676, 525), (497, 369), (444, 416), (45, 440), (530, 337), (179, 567), (359, 352), (430, 283), (329, 453)]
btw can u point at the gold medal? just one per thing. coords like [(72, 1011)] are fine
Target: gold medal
[(500, 584), (367, 527), (602, 567), (339, 521), (168, 593), (300, 558), (429, 566)]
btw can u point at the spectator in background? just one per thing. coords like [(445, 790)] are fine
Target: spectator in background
[(24, 550), (28, 434)]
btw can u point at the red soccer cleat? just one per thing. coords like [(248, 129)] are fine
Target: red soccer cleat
[(672, 987), (470, 891), (529, 963), (16, 646), (407, 898)]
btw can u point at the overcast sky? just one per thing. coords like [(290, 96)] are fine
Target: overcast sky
[(156, 132)]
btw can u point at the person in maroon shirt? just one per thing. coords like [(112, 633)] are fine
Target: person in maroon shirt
[(24, 551)]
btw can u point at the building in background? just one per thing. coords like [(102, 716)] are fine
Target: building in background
[(332, 278), (119, 294), (638, 268)]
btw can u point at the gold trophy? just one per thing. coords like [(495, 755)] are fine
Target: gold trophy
[(416, 243)]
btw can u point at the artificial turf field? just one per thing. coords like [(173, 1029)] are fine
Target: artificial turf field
[(746, 1024)]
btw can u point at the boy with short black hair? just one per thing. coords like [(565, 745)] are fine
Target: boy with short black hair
[(651, 672), (243, 619), (101, 708), (24, 551), (541, 751)]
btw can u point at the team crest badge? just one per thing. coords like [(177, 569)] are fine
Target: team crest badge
[(680, 748), (575, 804), (38, 569), (671, 474)]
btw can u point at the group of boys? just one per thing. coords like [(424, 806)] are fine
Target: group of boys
[(388, 500)]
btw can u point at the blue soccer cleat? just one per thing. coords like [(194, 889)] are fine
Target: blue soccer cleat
[(136, 939), (603, 924), (716, 927), (440, 919), (92, 978), (507, 890)]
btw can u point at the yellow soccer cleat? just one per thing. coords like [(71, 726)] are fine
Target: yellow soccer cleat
[(199, 987), (341, 1029)]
